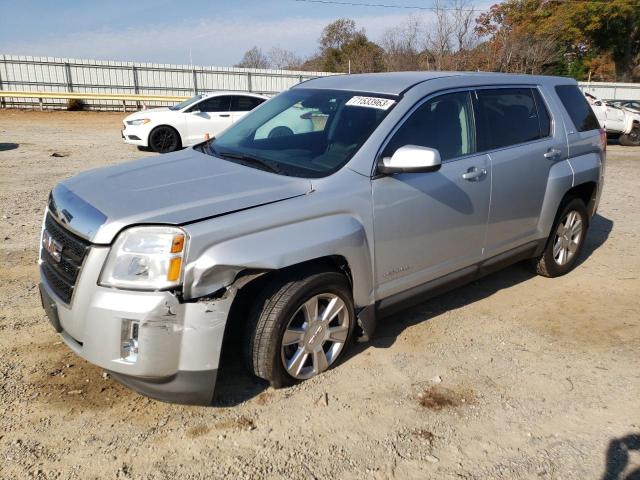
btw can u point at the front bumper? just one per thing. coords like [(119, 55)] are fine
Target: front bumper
[(178, 344), (136, 134), (189, 388)]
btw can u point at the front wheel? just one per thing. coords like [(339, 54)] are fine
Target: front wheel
[(631, 139), (566, 240), (164, 139), (300, 327)]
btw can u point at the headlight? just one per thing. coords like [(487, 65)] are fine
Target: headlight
[(138, 121), (146, 258)]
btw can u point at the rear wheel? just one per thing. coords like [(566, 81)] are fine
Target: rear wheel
[(631, 139), (300, 327), (566, 240), (164, 139)]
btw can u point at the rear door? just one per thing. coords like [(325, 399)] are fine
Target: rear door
[(242, 104), (210, 116), (516, 131), (615, 119), (427, 225)]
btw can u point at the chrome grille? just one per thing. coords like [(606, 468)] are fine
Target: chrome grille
[(61, 276)]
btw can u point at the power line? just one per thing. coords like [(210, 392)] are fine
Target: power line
[(432, 9), (382, 5)]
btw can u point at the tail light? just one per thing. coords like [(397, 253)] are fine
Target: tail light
[(603, 139)]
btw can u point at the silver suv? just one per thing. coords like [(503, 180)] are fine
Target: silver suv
[(330, 203)]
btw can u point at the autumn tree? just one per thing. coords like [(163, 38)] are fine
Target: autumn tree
[(612, 26), (337, 34), (402, 45), (254, 58), (514, 43), (283, 59), (344, 48), (565, 36)]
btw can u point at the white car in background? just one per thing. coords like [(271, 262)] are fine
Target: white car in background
[(189, 122), (619, 122)]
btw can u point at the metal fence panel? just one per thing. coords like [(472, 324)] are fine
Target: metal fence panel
[(49, 74), (612, 91)]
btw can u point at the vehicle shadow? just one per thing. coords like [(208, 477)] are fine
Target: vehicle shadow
[(599, 231), (391, 326), (236, 385), (8, 146), (618, 458)]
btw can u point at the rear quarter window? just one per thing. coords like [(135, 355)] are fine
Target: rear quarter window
[(577, 107)]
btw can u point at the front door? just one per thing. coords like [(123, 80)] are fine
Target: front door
[(427, 225), (208, 117)]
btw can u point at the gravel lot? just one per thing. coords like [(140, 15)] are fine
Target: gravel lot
[(513, 376)]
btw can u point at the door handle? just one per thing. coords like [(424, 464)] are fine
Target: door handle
[(552, 153), (224, 115), (474, 173)]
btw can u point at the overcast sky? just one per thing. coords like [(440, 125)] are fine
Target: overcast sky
[(217, 32)]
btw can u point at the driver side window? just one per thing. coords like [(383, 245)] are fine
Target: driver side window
[(444, 123)]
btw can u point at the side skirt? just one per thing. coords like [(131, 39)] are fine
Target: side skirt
[(416, 295)]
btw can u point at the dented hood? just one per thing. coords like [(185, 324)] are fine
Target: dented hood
[(176, 188)]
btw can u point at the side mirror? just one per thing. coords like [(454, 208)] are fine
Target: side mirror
[(411, 158)]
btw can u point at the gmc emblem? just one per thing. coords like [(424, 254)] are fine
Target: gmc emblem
[(53, 247)]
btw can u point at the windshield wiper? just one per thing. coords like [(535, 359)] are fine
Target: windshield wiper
[(249, 159)]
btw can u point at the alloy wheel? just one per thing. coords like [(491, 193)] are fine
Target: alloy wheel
[(315, 336), (568, 238)]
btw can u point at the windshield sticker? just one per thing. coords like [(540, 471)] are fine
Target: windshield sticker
[(371, 102)]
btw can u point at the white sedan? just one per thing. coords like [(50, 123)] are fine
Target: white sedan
[(189, 122)]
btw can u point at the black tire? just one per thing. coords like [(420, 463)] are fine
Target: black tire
[(164, 139), (277, 307), (631, 139), (550, 263)]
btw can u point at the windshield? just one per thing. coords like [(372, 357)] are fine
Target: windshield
[(185, 103), (303, 132)]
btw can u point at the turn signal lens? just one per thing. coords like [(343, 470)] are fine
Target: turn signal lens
[(174, 269)]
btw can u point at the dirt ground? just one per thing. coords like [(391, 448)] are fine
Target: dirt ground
[(512, 377)]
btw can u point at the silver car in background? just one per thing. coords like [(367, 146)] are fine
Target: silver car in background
[(367, 193)]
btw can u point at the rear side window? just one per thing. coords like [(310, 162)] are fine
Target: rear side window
[(444, 123), (213, 104), (244, 104), (507, 116), (577, 107)]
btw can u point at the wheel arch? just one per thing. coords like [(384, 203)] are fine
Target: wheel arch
[(587, 192), (338, 241), (248, 285)]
